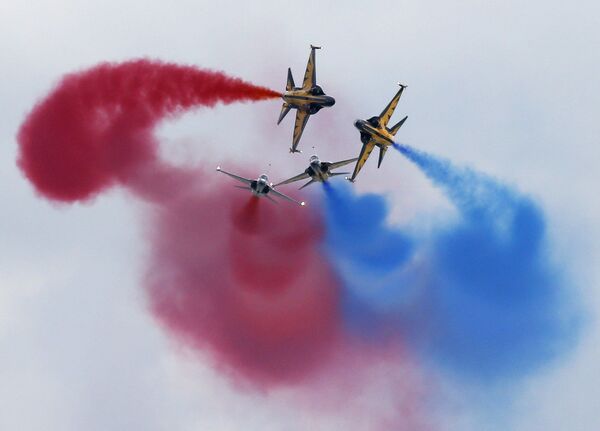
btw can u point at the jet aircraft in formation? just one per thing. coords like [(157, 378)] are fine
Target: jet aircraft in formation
[(260, 187), (375, 133), (318, 171), (308, 100)]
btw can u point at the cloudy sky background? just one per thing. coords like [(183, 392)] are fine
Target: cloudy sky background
[(511, 89)]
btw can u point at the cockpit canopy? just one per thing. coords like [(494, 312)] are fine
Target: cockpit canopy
[(317, 91), (264, 178), (314, 159), (373, 121)]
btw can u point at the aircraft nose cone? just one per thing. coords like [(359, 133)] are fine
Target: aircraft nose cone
[(357, 124), (331, 101)]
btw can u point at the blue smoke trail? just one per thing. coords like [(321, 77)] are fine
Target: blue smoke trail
[(367, 254), (479, 297)]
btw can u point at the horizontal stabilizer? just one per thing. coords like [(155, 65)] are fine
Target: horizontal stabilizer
[(397, 126), (271, 199), (382, 151), (307, 184), (284, 110)]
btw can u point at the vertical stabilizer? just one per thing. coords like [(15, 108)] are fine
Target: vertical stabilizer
[(290, 81)]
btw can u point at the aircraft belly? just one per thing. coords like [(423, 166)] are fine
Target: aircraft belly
[(380, 141), (298, 101)]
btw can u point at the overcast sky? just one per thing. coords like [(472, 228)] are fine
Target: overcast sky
[(508, 87)]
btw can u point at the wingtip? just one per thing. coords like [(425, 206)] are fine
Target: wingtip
[(402, 85), (218, 168), (314, 46), (302, 203)]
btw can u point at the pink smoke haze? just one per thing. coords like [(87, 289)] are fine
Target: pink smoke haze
[(244, 279)]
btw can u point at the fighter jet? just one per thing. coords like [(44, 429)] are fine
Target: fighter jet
[(373, 132), (260, 187), (307, 100), (318, 171)]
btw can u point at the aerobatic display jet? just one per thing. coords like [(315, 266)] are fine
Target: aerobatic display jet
[(260, 187), (375, 133), (307, 100), (319, 171)]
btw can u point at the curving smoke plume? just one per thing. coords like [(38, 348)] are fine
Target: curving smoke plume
[(95, 128), (479, 297), (242, 280)]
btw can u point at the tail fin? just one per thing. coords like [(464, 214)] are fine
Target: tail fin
[(394, 129), (284, 110), (290, 81)]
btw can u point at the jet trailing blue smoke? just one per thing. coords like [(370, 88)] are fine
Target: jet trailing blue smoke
[(479, 296)]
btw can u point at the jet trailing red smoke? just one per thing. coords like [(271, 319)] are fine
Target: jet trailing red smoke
[(245, 280), (242, 279), (95, 127)]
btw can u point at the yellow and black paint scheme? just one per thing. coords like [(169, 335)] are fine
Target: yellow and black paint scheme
[(307, 100), (375, 133)]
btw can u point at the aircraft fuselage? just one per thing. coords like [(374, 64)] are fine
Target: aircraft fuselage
[(307, 100), (318, 171), (260, 186), (370, 132)]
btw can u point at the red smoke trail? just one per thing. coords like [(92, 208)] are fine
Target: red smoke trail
[(242, 279), (96, 126)]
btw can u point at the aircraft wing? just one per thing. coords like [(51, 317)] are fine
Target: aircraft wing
[(310, 76), (365, 152), (387, 113), (286, 197), (302, 176), (342, 163), (301, 120), (237, 177)]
